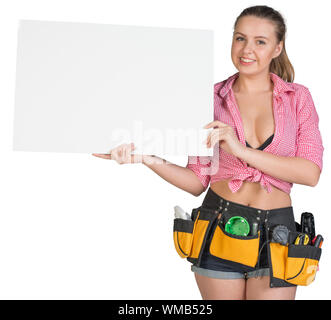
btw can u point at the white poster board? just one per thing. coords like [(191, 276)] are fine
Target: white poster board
[(83, 87)]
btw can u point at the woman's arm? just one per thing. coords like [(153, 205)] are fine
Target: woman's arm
[(181, 177), (290, 169)]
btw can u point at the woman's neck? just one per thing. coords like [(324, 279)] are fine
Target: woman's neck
[(253, 84)]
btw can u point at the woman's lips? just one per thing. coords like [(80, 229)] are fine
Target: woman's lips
[(246, 61)]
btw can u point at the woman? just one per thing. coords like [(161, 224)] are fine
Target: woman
[(266, 138)]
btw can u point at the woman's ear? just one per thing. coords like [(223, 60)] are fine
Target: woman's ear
[(278, 49)]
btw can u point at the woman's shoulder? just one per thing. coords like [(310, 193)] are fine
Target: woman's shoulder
[(296, 93), (297, 87), (219, 85), (223, 86), (300, 94)]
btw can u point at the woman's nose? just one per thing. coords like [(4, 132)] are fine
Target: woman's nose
[(248, 48)]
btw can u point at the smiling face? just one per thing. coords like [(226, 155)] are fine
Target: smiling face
[(254, 45)]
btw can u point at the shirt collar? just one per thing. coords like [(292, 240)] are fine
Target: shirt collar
[(280, 85)]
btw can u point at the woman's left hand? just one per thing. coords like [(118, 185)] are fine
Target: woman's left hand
[(225, 136)]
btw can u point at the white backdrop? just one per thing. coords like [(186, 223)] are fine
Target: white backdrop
[(73, 226)]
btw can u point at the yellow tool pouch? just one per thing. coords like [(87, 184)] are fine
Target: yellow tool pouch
[(278, 255), (239, 249), (183, 236), (294, 264), (190, 235), (301, 264)]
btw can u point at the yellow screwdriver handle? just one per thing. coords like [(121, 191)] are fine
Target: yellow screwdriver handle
[(305, 239)]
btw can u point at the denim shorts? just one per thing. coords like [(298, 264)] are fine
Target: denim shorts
[(211, 266)]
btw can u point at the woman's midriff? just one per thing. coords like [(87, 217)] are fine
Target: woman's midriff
[(253, 195)]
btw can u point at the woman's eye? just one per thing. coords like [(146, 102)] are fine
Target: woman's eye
[(260, 42), (239, 38)]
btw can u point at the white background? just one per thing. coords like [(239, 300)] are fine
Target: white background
[(73, 226)]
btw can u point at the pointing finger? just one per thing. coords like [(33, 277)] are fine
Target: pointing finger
[(102, 155)]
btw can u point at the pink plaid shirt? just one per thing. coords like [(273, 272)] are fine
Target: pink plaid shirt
[(296, 135)]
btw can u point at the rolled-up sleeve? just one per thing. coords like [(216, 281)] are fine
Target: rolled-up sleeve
[(309, 140), (200, 165)]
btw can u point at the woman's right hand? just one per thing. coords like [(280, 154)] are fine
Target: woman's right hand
[(121, 154)]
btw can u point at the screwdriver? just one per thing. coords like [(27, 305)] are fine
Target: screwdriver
[(318, 241), (302, 239)]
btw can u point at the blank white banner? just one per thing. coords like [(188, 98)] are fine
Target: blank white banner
[(86, 88)]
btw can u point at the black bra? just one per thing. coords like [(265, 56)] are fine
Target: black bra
[(264, 145)]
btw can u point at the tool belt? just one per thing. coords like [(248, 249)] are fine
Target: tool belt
[(290, 264)]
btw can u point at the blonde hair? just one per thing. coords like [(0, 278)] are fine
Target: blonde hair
[(280, 65)]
